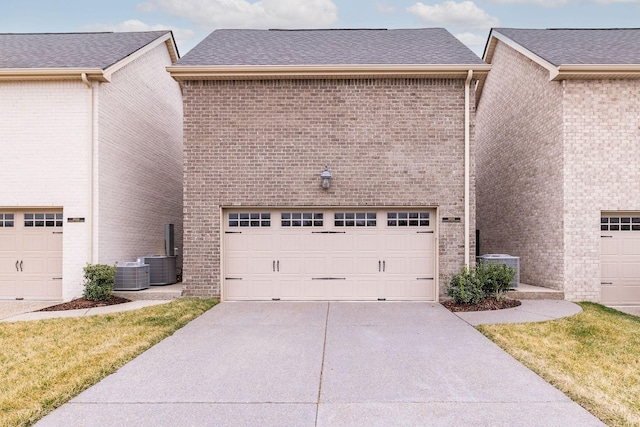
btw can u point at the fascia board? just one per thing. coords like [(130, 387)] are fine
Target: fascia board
[(166, 39), (181, 73), (595, 71), (523, 51)]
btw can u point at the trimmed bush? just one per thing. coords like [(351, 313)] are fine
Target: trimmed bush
[(465, 288), (484, 280), (495, 278), (98, 281)]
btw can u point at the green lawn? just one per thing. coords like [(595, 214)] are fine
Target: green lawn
[(45, 363), (593, 357)]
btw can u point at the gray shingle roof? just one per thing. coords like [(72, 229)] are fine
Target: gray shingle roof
[(329, 47), (579, 46), (71, 50)]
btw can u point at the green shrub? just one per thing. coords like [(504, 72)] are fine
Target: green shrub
[(472, 285), (465, 288), (98, 281), (496, 278)]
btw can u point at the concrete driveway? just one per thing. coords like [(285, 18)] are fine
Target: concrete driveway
[(323, 364)]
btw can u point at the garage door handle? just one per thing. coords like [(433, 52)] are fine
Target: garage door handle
[(20, 265), (607, 236), (17, 266), (384, 267), (606, 283), (379, 265), (273, 265), (278, 264)]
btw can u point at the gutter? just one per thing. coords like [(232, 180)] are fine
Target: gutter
[(467, 167), (14, 74), (235, 72)]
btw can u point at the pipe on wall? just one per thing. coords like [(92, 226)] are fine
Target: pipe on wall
[(86, 81), (467, 167)]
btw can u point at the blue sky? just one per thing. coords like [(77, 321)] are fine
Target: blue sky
[(192, 20)]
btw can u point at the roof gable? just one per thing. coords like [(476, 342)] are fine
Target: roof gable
[(66, 53), (579, 46), (350, 52), (574, 53)]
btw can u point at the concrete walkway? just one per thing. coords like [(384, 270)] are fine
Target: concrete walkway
[(15, 311), (324, 364)]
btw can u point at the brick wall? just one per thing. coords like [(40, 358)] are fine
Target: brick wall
[(139, 161), (519, 161), (264, 143), (602, 135), (44, 160)]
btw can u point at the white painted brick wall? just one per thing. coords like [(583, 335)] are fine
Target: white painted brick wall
[(551, 157), (44, 160), (45, 146), (519, 167), (602, 171), (140, 160)]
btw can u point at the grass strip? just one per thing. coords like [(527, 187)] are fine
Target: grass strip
[(45, 363), (593, 357)]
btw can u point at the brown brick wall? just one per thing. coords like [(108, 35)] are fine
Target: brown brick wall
[(387, 142), (520, 167)]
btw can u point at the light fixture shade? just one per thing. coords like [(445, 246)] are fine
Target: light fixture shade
[(325, 178)]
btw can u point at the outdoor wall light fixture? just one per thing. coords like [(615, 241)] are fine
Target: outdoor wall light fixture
[(325, 178)]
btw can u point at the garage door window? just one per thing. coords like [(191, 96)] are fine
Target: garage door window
[(408, 219), (6, 220), (302, 219), (254, 219), (43, 220), (623, 223), (355, 219)]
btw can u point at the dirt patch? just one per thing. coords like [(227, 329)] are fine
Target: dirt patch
[(489, 303), (82, 303)]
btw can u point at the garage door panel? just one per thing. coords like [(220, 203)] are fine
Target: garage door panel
[(31, 255), (422, 289), (620, 259), (34, 242), (609, 293), (629, 271), (609, 247), (367, 288), (339, 289), (342, 265), (8, 288), (8, 241), (629, 293), (328, 260), (35, 287), (248, 264), (630, 246)]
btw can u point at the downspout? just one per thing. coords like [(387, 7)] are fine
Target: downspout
[(86, 81), (467, 167)]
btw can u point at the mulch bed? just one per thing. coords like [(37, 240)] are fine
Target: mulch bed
[(82, 303), (489, 303)]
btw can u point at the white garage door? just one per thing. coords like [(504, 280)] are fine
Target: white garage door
[(620, 259), (320, 254), (31, 255)]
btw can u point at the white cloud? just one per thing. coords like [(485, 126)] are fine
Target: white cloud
[(559, 3), (385, 9), (545, 3), (211, 14), (182, 36), (475, 42), (464, 15)]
